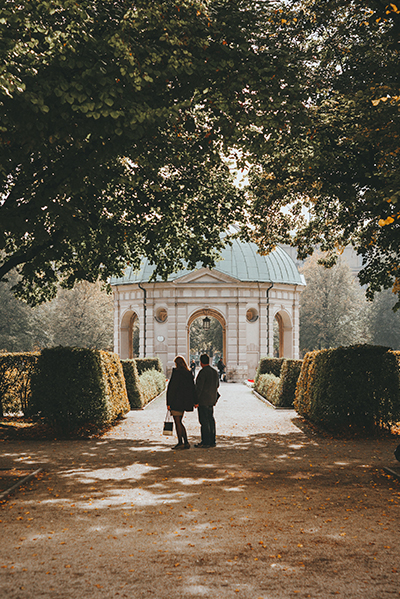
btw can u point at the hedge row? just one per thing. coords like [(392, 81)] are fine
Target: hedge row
[(356, 386), (143, 364), (152, 383), (73, 387), (286, 390), (267, 385), (280, 390), (15, 381), (132, 383), (269, 366), (142, 388)]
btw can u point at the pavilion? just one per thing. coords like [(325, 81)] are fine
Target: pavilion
[(246, 292)]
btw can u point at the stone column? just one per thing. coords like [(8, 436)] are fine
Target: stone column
[(296, 324), (262, 323), (117, 318), (150, 341)]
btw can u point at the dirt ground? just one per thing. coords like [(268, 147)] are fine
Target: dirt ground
[(273, 512)]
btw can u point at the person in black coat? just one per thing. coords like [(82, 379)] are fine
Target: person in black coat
[(207, 384), (181, 398), (193, 368)]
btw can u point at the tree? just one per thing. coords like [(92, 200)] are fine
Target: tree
[(336, 180), (116, 121), (384, 324), (15, 319), (80, 317), (333, 309), (206, 340)]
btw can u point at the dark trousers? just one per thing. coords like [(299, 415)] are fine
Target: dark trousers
[(207, 424)]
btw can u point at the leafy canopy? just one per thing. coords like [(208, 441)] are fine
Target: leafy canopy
[(116, 118), (335, 180)]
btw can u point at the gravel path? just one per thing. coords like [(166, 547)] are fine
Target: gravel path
[(273, 512)]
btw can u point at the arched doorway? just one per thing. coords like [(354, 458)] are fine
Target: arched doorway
[(217, 327), (130, 335), (282, 335)]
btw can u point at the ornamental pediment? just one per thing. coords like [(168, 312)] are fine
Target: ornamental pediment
[(205, 276)]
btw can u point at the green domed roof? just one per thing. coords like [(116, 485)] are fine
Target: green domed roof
[(240, 261)]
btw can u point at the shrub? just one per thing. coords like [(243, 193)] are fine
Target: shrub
[(356, 386), (269, 366), (144, 364), (15, 381), (132, 383), (266, 385), (304, 382), (286, 390), (152, 383), (73, 387), (280, 391)]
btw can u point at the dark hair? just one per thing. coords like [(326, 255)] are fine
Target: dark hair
[(204, 359), (181, 362)]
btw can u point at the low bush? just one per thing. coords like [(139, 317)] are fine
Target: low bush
[(144, 364), (152, 383), (267, 385), (74, 387), (132, 383), (350, 387), (269, 366), (15, 381)]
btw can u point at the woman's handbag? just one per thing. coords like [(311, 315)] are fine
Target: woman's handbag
[(168, 424)]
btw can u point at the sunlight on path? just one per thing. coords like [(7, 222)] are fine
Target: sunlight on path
[(238, 413), (271, 513)]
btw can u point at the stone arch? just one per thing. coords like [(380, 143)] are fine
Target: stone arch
[(285, 326), (214, 314), (128, 321)]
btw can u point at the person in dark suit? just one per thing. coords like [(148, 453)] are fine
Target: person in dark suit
[(193, 368), (207, 383), (181, 398), (221, 369)]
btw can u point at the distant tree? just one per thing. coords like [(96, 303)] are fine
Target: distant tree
[(136, 339), (208, 341), (333, 309), (80, 317), (15, 319), (384, 324)]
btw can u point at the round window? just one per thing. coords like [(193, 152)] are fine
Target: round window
[(161, 315), (251, 315)]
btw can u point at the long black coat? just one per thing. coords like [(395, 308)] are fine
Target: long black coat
[(181, 392)]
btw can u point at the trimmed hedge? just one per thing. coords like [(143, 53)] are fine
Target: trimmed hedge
[(15, 381), (144, 364), (269, 366), (280, 390), (132, 383), (286, 391), (152, 383), (267, 385), (142, 388), (72, 387), (356, 386)]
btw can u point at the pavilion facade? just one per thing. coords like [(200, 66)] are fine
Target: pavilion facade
[(245, 292)]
